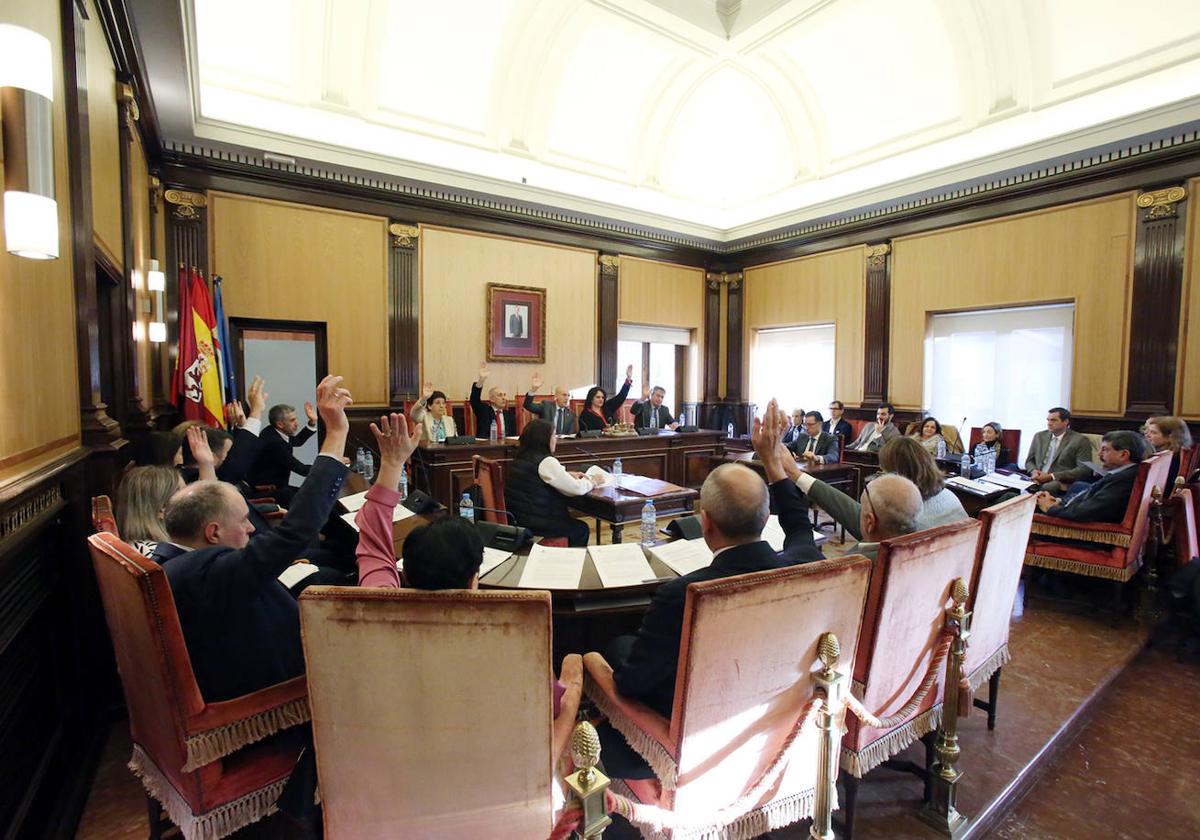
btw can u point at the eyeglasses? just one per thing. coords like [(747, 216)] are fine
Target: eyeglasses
[(867, 493)]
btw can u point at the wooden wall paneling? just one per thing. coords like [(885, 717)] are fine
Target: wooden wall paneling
[(104, 143), (96, 427), (1080, 253), (608, 279), (875, 328), (291, 262), (136, 417), (664, 294), (1156, 300), (404, 336), (734, 342), (1187, 388), (712, 338)]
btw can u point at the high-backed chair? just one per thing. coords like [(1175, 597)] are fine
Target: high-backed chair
[(1010, 442), (899, 670), (993, 589), (738, 696), (954, 443), (490, 478), (103, 520), (447, 735), (199, 760), (1189, 459), (1111, 550), (1182, 522)]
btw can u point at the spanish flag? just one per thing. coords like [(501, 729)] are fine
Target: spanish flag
[(197, 381)]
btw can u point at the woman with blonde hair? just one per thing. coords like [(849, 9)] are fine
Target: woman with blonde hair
[(1169, 433), (143, 494)]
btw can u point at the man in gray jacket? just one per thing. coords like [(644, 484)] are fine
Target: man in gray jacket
[(557, 412), (1057, 455), (875, 435)]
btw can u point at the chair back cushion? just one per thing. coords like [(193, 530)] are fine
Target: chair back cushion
[(740, 689), (491, 487), (999, 559), (904, 620), (1152, 473), (156, 673), (431, 711), (103, 520)]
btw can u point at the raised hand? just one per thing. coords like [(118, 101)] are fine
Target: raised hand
[(646, 393), (201, 452), (332, 400), (536, 382), (426, 392), (257, 397), (235, 416), (310, 412), (629, 372), (483, 373), (395, 447)]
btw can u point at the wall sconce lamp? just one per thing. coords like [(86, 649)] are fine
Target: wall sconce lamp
[(27, 124), (156, 282)]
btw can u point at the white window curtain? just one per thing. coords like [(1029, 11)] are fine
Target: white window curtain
[(793, 365), (1006, 365)]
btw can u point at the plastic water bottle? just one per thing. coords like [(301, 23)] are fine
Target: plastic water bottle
[(649, 522), (360, 458), (493, 435), (617, 471), (964, 468), (368, 464), (403, 484), (729, 431), (941, 450), (466, 508)]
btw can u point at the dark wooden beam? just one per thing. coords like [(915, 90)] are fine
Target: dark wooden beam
[(712, 338), (733, 340), (404, 369), (876, 333), (608, 303), (137, 418)]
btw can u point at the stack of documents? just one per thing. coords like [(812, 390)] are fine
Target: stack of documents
[(979, 488), (683, 556), (398, 513), (1012, 482), (492, 557), (553, 568), (622, 564)]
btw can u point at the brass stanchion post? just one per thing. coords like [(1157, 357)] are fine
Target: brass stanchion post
[(587, 783), (940, 812), (829, 719)]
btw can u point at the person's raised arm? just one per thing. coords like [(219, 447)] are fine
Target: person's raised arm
[(766, 435), (483, 375), (418, 409), (332, 401), (375, 553), (201, 453)]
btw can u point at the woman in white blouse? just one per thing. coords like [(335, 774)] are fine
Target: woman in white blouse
[(430, 413), (536, 487)]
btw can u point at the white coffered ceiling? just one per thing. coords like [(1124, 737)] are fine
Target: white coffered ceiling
[(716, 117)]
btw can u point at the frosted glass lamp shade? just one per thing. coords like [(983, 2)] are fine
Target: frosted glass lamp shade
[(30, 225)]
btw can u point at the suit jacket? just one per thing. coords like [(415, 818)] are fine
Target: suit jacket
[(485, 414), (1073, 450), (243, 454), (241, 626), (275, 462), (649, 672), (843, 428), (642, 411), (792, 434), (548, 410), (826, 446), (1105, 501), (889, 431)]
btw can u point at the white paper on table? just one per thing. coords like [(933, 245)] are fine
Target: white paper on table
[(621, 564), (295, 573), (553, 568), (1013, 481), (684, 556), (607, 479), (354, 501), (349, 518), (399, 512), (972, 486), (492, 557)]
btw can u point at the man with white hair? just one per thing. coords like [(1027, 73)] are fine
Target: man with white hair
[(496, 409), (735, 504)]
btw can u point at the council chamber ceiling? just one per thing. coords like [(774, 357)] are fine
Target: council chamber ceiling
[(719, 119)]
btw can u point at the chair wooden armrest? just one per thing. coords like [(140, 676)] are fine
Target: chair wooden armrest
[(1109, 533), (648, 732), (571, 676), (223, 728)]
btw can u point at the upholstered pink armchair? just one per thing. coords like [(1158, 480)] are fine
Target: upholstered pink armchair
[(739, 695), (1112, 550), (103, 520), (899, 672), (199, 760), (433, 712), (993, 590), (1182, 523)]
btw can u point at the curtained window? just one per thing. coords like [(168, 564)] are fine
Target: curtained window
[(1007, 365), (795, 366)]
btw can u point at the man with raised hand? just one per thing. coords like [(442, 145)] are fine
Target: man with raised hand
[(495, 409), (241, 626), (556, 412)]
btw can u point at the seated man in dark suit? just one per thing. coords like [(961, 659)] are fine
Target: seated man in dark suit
[(556, 412), (239, 459), (815, 445), (795, 429), (837, 424), (650, 413), (1106, 499), (275, 462), (495, 409), (734, 508), (241, 627)]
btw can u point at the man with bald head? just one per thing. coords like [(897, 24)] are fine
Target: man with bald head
[(240, 624), (495, 409), (557, 412)]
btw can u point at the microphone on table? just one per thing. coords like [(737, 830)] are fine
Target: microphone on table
[(510, 518)]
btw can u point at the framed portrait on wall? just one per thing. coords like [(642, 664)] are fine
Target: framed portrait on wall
[(516, 324)]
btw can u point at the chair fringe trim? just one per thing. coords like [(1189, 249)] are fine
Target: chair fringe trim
[(215, 824), (1060, 564), (862, 762), (1063, 532), (655, 754), (213, 744), (658, 824), (984, 672)]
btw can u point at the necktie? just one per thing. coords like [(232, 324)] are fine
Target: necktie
[(1050, 453), (558, 420), (812, 443), (653, 417)]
